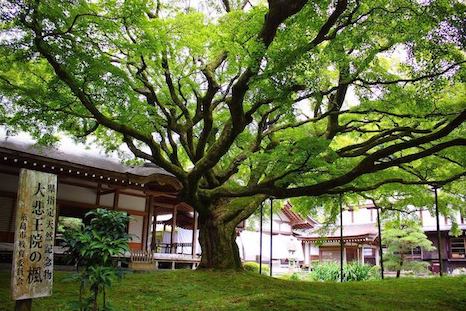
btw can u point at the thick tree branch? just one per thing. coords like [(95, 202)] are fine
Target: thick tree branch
[(370, 164), (64, 75)]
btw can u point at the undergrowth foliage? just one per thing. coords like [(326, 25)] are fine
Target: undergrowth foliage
[(92, 247), (351, 272)]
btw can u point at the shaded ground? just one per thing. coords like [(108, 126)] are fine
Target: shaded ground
[(195, 290)]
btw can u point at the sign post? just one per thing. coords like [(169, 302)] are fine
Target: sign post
[(32, 270)]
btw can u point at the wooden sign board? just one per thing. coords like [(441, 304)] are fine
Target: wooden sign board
[(32, 271)]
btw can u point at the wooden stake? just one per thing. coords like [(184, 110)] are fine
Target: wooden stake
[(439, 243), (23, 305), (260, 239), (341, 239), (271, 231), (380, 242)]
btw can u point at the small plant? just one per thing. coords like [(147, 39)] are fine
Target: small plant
[(254, 267), (351, 272), (295, 277), (92, 247)]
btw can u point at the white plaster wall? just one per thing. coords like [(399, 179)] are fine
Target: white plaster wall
[(361, 216), (135, 228), (249, 246), (131, 202), (75, 193), (314, 251), (285, 228), (428, 220), (106, 199)]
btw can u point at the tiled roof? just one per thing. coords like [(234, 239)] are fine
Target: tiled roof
[(297, 222), (26, 154), (88, 160)]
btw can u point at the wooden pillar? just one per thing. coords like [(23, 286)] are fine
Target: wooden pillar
[(116, 199), (145, 224), (153, 244), (97, 195), (163, 232), (306, 254), (172, 233), (194, 241)]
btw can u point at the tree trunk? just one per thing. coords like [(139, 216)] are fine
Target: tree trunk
[(218, 244), (398, 272), (96, 294)]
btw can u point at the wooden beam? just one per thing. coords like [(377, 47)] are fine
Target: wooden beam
[(162, 194), (110, 191), (123, 189), (93, 206), (131, 212)]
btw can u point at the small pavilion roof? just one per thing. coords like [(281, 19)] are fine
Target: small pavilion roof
[(355, 233), (297, 222)]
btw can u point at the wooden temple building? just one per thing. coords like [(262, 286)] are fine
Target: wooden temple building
[(85, 182)]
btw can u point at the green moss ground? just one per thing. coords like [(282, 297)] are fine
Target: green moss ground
[(196, 290)]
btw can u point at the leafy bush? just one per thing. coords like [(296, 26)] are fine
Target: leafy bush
[(92, 246), (351, 272), (410, 267), (326, 272), (254, 267)]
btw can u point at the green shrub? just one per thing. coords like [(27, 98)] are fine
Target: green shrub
[(410, 267), (92, 246), (351, 272), (254, 267), (292, 276)]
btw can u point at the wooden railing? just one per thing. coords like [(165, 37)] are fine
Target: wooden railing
[(175, 248), (142, 260)]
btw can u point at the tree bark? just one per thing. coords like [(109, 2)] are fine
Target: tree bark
[(398, 272), (218, 244)]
